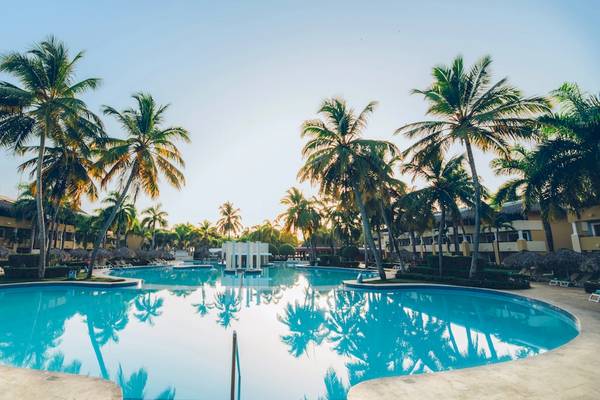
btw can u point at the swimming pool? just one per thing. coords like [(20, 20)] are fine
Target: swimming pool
[(301, 335)]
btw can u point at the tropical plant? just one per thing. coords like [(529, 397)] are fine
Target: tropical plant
[(448, 185), (532, 185), (147, 151), (154, 216), (124, 214), (42, 107), (473, 111), (300, 215), (230, 221), (339, 160)]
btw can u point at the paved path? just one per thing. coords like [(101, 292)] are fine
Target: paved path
[(569, 372), (28, 384)]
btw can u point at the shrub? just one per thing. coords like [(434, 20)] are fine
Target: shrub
[(328, 260), (455, 265), (273, 249), (287, 249), (24, 260), (349, 252), (20, 273), (591, 287), (451, 280)]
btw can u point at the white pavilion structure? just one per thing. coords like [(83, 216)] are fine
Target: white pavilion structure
[(245, 255)]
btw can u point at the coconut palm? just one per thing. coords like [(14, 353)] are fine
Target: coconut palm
[(338, 159), (532, 185), (230, 221), (495, 221), (68, 173), (473, 112), (207, 233), (154, 216), (300, 215), (448, 184), (124, 214), (148, 151), (572, 147), (42, 106)]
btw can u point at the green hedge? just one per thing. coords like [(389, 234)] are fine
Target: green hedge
[(32, 273), (450, 280), (591, 287), (349, 252), (329, 260), (23, 260), (458, 266), (287, 249)]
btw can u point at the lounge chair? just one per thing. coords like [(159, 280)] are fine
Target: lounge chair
[(566, 282), (595, 297)]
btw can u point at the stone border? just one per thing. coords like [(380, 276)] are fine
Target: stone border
[(122, 282), (569, 371)]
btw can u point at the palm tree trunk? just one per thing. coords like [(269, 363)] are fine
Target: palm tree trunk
[(32, 244), (313, 250), (392, 237), (367, 231), (39, 203), (440, 231), (379, 241), (547, 230), (413, 243), (455, 237), (109, 221), (477, 185)]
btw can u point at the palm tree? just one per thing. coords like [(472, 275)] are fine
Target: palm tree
[(448, 184), (496, 221), (230, 221), (533, 185), (124, 214), (43, 105), (473, 112), (339, 159), (571, 147), (148, 150), (154, 216), (300, 215), (68, 173)]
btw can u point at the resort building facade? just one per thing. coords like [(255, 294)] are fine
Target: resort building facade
[(525, 231)]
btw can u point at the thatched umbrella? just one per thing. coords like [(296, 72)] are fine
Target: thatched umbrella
[(80, 253), (524, 259), (563, 262), (591, 263), (123, 252)]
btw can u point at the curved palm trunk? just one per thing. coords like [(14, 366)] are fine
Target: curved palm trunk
[(32, 244), (392, 237), (440, 246), (477, 199), (109, 222), (413, 243), (313, 251), (547, 230), (40, 206), (367, 231), (380, 246), (455, 237)]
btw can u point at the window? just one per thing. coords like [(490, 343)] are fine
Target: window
[(404, 242), (595, 228), (487, 237)]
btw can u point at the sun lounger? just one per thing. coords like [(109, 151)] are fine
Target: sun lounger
[(595, 297)]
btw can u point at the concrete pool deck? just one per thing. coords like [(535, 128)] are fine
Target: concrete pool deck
[(571, 371)]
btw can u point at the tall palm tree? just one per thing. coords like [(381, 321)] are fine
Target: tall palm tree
[(230, 221), (207, 233), (147, 151), (532, 184), (300, 215), (154, 216), (338, 159), (448, 184), (68, 173), (124, 214), (46, 100), (473, 111), (571, 147)]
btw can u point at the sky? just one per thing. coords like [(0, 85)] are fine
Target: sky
[(242, 76)]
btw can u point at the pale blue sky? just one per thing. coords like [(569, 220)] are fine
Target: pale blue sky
[(242, 76)]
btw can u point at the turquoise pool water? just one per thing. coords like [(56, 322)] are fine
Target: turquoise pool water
[(301, 335)]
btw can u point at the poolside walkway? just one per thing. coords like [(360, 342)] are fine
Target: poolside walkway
[(569, 372), (28, 384)]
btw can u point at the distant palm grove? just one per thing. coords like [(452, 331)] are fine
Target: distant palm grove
[(547, 146)]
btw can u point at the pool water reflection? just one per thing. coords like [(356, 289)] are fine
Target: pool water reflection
[(301, 336)]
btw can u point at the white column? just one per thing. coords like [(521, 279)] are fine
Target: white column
[(575, 238)]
